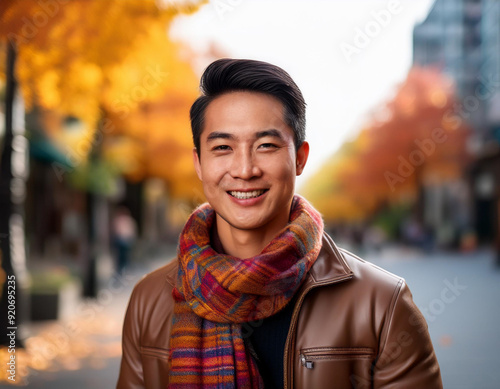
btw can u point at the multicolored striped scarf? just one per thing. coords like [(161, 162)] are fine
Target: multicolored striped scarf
[(216, 293)]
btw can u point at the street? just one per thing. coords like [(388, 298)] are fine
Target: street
[(458, 294)]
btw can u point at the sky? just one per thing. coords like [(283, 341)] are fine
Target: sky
[(347, 57)]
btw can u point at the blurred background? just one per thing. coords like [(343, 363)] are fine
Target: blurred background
[(96, 174)]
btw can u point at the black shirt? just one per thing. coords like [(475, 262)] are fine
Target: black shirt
[(268, 341)]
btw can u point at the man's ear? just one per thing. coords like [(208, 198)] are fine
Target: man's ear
[(197, 165), (302, 155)]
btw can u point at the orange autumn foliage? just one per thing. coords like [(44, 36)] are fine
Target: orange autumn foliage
[(415, 139)]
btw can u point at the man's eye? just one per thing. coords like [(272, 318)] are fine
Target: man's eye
[(221, 148), (268, 146)]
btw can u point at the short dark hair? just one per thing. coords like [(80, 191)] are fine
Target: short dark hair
[(230, 75)]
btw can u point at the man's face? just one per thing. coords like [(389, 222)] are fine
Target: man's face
[(248, 162)]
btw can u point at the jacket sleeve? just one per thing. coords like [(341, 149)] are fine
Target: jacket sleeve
[(406, 359), (131, 371)]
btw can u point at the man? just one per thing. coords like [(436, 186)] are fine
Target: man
[(259, 295)]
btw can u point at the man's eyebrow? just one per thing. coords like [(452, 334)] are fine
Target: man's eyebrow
[(219, 135), (273, 133)]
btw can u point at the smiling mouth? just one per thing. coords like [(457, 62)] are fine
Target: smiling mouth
[(247, 195)]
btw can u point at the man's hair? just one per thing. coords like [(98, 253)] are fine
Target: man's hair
[(230, 75)]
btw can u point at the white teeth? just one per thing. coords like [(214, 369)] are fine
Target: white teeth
[(246, 195)]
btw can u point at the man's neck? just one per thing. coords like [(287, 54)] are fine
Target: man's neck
[(245, 243)]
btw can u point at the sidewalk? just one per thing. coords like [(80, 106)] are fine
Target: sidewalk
[(83, 350)]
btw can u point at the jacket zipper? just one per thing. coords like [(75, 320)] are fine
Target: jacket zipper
[(295, 314), (308, 356), (304, 362)]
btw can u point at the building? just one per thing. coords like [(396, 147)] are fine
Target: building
[(462, 39)]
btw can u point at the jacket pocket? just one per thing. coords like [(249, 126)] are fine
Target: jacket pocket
[(334, 367)]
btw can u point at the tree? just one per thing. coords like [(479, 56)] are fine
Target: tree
[(416, 138)]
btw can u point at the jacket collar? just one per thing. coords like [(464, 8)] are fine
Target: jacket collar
[(330, 266)]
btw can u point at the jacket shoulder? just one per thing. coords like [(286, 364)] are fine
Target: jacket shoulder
[(152, 305), (371, 274)]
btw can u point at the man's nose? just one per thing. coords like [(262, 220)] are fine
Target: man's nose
[(244, 166)]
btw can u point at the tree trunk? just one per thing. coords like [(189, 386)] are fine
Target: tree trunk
[(13, 176)]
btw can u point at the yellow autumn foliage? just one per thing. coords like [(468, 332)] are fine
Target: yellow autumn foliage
[(109, 61)]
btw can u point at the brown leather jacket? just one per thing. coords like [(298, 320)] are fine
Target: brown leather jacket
[(354, 326)]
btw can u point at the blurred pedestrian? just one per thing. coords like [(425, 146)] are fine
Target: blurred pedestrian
[(124, 233)]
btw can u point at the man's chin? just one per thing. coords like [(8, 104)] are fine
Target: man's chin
[(239, 222)]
